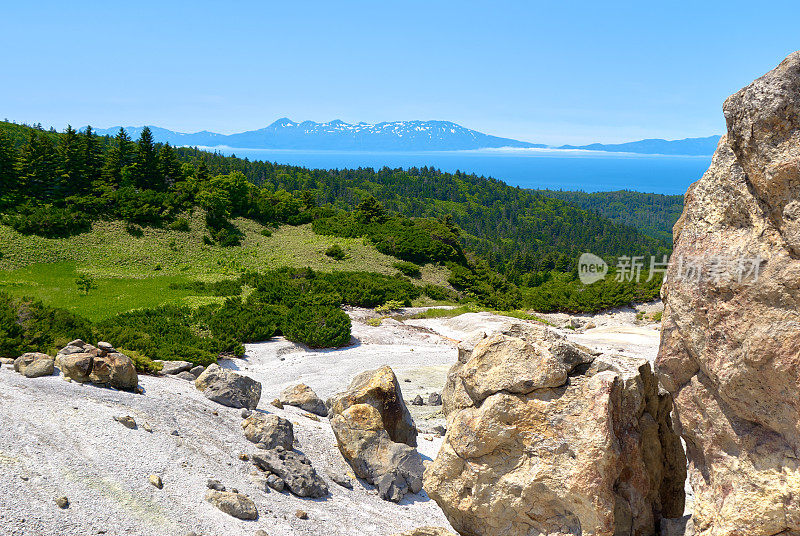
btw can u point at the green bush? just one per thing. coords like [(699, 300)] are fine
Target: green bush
[(336, 252), (439, 293), (391, 305), (266, 232), (180, 224), (47, 220), (408, 268), (317, 326)]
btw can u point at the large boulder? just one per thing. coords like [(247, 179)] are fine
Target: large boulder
[(229, 388), (102, 364), (542, 438), (268, 431), (381, 390), (114, 370), (730, 344), (34, 365), (376, 435), (304, 397), (294, 469), (234, 504)]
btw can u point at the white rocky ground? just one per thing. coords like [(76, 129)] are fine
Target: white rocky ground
[(60, 439)]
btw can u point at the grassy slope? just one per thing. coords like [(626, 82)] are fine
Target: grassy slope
[(134, 272)]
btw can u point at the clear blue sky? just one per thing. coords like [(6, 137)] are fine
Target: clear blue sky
[(575, 72)]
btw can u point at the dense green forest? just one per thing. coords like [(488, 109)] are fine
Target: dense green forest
[(505, 247), (653, 214)]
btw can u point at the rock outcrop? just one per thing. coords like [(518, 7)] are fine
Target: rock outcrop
[(101, 364), (304, 397), (34, 365), (229, 388), (268, 431), (376, 435), (730, 346), (294, 469), (543, 438)]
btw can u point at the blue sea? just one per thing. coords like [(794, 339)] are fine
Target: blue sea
[(589, 171)]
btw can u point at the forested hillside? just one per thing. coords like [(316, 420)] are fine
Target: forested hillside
[(56, 184), (653, 214)]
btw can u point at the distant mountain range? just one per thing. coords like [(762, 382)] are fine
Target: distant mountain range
[(394, 136)]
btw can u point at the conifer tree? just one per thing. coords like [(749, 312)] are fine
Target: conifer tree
[(92, 160), (146, 176), (118, 158), (36, 167), (70, 165), (8, 173), (168, 166)]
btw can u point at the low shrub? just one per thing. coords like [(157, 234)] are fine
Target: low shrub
[(336, 252), (391, 305), (409, 269), (180, 224), (317, 326), (47, 220)]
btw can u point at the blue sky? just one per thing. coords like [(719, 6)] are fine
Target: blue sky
[(570, 73)]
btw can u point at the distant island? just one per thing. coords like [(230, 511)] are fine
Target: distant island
[(394, 136)]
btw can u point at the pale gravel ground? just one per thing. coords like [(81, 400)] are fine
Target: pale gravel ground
[(61, 437)]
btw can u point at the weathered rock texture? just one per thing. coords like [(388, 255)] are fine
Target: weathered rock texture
[(229, 388), (102, 364), (376, 434), (34, 365), (542, 438), (304, 397), (730, 345), (294, 469), (268, 431)]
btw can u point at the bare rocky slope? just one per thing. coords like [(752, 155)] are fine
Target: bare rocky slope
[(61, 439), (730, 349)]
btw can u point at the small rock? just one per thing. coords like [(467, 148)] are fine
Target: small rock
[(197, 371), (244, 457), (439, 430), (175, 433), (407, 380), (175, 367), (62, 502), (305, 398), (126, 420), (147, 428), (24, 478), (276, 483), (156, 481), (260, 532), (277, 403), (434, 399), (105, 346), (301, 514), (340, 478), (311, 416), (233, 504), (186, 375), (245, 413), (294, 469), (229, 388), (417, 401), (216, 485)]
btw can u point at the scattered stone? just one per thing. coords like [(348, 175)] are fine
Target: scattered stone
[(106, 347), (407, 380), (233, 504), (175, 433), (301, 514), (245, 413), (303, 397), (538, 442), (439, 430), (434, 399), (589, 325), (311, 416), (427, 531), (417, 401), (174, 367), (186, 375), (215, 485), (229, 388), (7, 361), (260, 532), (34, 365), (126, 420), (277, 403), (156, 481), (340, 478), (295, 470), (275, 482), (729, 342), (147, 428), (244, 457), (62, 502), (197, 371), (268, 431), (376, 435)]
